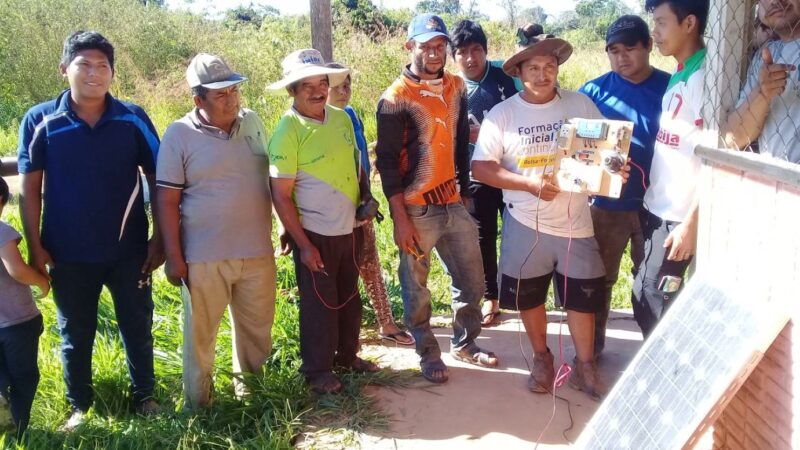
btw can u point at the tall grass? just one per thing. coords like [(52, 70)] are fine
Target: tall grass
[(153, 47)]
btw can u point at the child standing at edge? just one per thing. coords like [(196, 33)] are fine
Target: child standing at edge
[(20, 324)]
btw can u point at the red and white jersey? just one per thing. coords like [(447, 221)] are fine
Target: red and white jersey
[(675, 170)]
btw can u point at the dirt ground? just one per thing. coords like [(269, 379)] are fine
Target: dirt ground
[(483, 408)]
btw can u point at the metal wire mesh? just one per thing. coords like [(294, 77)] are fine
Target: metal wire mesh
[(752, 85)]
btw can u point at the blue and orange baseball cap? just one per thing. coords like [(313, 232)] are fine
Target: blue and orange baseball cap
[(425, 27)]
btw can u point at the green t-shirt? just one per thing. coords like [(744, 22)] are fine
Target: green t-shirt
[(322, 157)]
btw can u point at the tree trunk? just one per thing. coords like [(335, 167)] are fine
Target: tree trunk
[(321, 37)]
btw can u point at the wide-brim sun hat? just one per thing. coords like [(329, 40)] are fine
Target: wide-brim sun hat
[(533, 42), (306, 63)]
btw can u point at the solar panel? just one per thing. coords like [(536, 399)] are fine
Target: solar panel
[(708, 341)]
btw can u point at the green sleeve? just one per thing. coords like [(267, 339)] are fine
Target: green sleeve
[(283, 148)]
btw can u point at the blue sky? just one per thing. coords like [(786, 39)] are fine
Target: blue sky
[(489, 7)]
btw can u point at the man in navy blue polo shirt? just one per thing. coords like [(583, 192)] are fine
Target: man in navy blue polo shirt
[(87, 148), (631, 91), (487, 85)]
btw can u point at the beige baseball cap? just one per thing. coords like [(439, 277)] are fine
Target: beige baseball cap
[(211, 72)]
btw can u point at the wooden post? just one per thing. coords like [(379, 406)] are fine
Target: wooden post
[(8, 166), (321, 26), (726, 61)]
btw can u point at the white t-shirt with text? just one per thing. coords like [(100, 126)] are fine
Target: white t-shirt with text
[(522, 138)]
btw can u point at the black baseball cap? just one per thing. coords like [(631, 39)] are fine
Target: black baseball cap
[(627, 30)]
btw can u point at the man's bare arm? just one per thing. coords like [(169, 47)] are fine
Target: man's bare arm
[(31, 208), (282, 189)]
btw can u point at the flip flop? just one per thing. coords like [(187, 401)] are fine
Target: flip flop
[(488, 317), (428, 370), (395, 337)]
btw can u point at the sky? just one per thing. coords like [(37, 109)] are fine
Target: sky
[(286, 7)]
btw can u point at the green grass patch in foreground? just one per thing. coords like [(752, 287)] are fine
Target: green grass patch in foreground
[(279, 413)]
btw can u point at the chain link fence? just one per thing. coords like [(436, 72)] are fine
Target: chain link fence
[(752, 85)]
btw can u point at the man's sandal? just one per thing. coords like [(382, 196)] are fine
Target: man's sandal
[(475, 355), (430, 369)]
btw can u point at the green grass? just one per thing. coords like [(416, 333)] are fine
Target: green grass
[(279, 413)]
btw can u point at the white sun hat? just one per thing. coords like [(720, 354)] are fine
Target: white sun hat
[(307, 63)]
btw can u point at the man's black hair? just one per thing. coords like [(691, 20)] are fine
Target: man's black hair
[(4, 195), (684, 8), (86, 40), (467, 32)]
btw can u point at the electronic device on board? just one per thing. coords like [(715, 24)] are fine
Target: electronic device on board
[(591, 154)]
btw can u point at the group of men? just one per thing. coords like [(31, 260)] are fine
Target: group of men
[(452, 152)]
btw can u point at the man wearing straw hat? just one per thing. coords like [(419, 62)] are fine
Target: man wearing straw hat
[(213, 193), (315, 173), (542, 226), (423, 159)]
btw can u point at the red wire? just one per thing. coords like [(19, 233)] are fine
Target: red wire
[(355, 293), (644, 183)]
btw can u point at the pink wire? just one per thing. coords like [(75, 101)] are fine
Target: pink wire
[(355, 293), (644, 183)]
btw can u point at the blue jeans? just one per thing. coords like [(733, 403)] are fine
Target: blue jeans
[(19, 373), (453, 233), (76, 291)]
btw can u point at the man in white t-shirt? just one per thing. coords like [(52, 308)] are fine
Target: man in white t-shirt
[(547, 234), (769, 104)]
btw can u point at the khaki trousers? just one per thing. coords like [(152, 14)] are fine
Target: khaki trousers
[(247, 288)]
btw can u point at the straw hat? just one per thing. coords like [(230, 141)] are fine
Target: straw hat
[(307, 63), (533, 42)]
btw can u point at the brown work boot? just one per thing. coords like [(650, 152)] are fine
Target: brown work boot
[(543, 373), (585, 378)]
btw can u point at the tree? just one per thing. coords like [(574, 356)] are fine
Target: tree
[(439, 6), (512, 10), (566, 21), (322, 28), (364, 16), (534, 14), (591, 17), (248, 15), (601, 8)]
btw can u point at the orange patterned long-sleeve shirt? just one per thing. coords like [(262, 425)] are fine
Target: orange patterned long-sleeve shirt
[(423, 139)]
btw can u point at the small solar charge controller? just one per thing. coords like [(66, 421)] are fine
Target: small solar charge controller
[(591, 154)]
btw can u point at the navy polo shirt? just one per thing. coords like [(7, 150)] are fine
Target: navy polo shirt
[(619, 99), (93, 208)]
